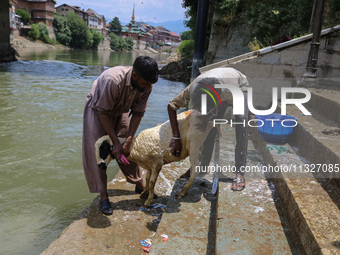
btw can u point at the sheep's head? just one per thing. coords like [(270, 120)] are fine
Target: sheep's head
[(103, 151)]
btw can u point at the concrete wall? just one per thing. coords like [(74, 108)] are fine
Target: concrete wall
[(4, 28), (51, 32), (105, 44), (225, 44), (139, 45), (285, 67)]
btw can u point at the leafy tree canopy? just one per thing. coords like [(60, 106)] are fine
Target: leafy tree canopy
[(81, 36), (119, 43), (25, 17), (267, 20), (61, 29), (96, 39), (115, 26), (186, 35), (34, 32)]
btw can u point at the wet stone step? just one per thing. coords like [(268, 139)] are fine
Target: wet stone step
[(311, 204), (313, 143), (188, 222), (250, 221)]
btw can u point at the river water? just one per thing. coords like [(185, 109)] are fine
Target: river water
[(42, 184)]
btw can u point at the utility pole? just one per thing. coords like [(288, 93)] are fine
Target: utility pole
[(201, 25), (311, 68)]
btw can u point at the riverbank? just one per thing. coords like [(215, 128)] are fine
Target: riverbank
[(20, 43), (176, 69)]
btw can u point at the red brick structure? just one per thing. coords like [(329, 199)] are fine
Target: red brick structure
[(175, 38), (39, 10), (164, 35)]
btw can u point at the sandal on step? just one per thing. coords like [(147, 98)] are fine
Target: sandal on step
[(105, 207)]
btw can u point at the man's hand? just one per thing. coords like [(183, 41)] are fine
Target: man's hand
[(117, 151), (202, 122), (176, 147), (127, 146)]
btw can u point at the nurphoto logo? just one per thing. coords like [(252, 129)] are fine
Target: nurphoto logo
[(238, 103)]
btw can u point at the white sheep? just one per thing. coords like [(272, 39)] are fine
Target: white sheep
[(150, 150)]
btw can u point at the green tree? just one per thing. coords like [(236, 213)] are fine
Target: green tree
[(61, 29), (115, 26), (119, 43), (186, 49), (333, 16), (81, 36), (191, 14), (267, 19), (34, 32), (122, 43), (129, 43), (186, 35), (43, 32), (114, 42), (96, 38), (25, 17)]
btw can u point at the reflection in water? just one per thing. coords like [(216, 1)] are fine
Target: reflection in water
[(94, 58), (42, 185)]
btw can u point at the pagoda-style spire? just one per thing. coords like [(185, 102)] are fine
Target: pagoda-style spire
[(133, 15)]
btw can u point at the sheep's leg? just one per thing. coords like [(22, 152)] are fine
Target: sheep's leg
[(194, 160), (153, 179), (147, 187), (187, 186), (195, 145)]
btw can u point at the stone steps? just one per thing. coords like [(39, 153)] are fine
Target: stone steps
[(188, 222), (311, 200), (326, 102), (308, 136), (312, 212), (250, 221), (243, 222)]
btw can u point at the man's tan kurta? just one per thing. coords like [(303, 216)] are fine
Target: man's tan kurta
[(113, 95)]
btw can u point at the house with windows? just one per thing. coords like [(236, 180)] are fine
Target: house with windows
[(39, 10), (97, 21), (93, 21), (14, 20), (164, 35), (175, 38), (90, 16), (65, 9)]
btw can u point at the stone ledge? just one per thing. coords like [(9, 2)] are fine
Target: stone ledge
[(315, 217)]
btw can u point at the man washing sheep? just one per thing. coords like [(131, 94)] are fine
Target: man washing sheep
[(117, 94), (193, 93)]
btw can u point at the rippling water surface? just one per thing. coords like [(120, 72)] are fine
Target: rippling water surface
[(42, 185)]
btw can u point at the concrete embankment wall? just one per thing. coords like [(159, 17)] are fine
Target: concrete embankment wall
[(284, 64), (105, 44)]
